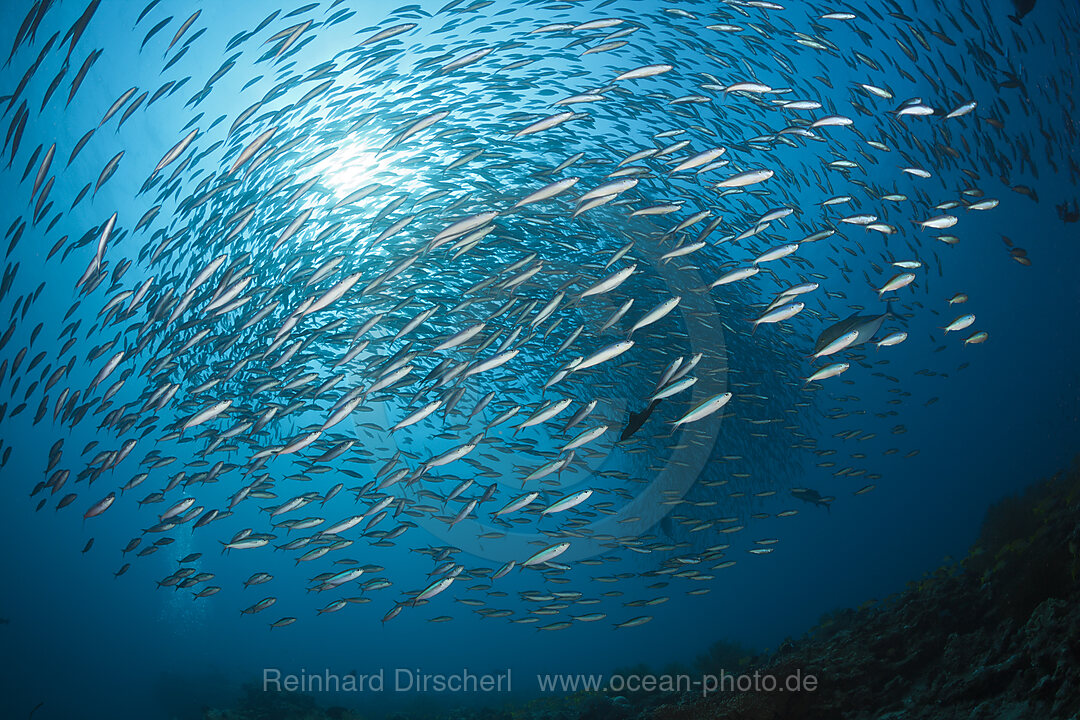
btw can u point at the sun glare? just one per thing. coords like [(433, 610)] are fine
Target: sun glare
[(352, 167)]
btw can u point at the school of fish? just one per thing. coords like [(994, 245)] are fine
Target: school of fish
[(539, 290)]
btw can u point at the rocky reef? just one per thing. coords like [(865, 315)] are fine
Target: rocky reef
[(994, 636), (254, 704)]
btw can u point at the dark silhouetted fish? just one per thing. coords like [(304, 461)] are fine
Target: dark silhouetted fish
[(813, 497), (636, 420), (1023, 7), (866, 325)]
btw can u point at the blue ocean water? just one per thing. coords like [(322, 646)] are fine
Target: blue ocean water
[(986, 418)]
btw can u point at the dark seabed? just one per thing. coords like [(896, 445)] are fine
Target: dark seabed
[(539, 360)]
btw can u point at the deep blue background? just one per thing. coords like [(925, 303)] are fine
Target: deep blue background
[(92, 646)]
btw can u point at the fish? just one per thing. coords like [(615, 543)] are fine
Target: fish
[(813, 497), (743, 179), (1023, 7), (546, 555), (893, 338), (866, 327), (829, 371), (960, 323), (636, 420), (784, 312), (841, 343), (567, 502), (705, 408)]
